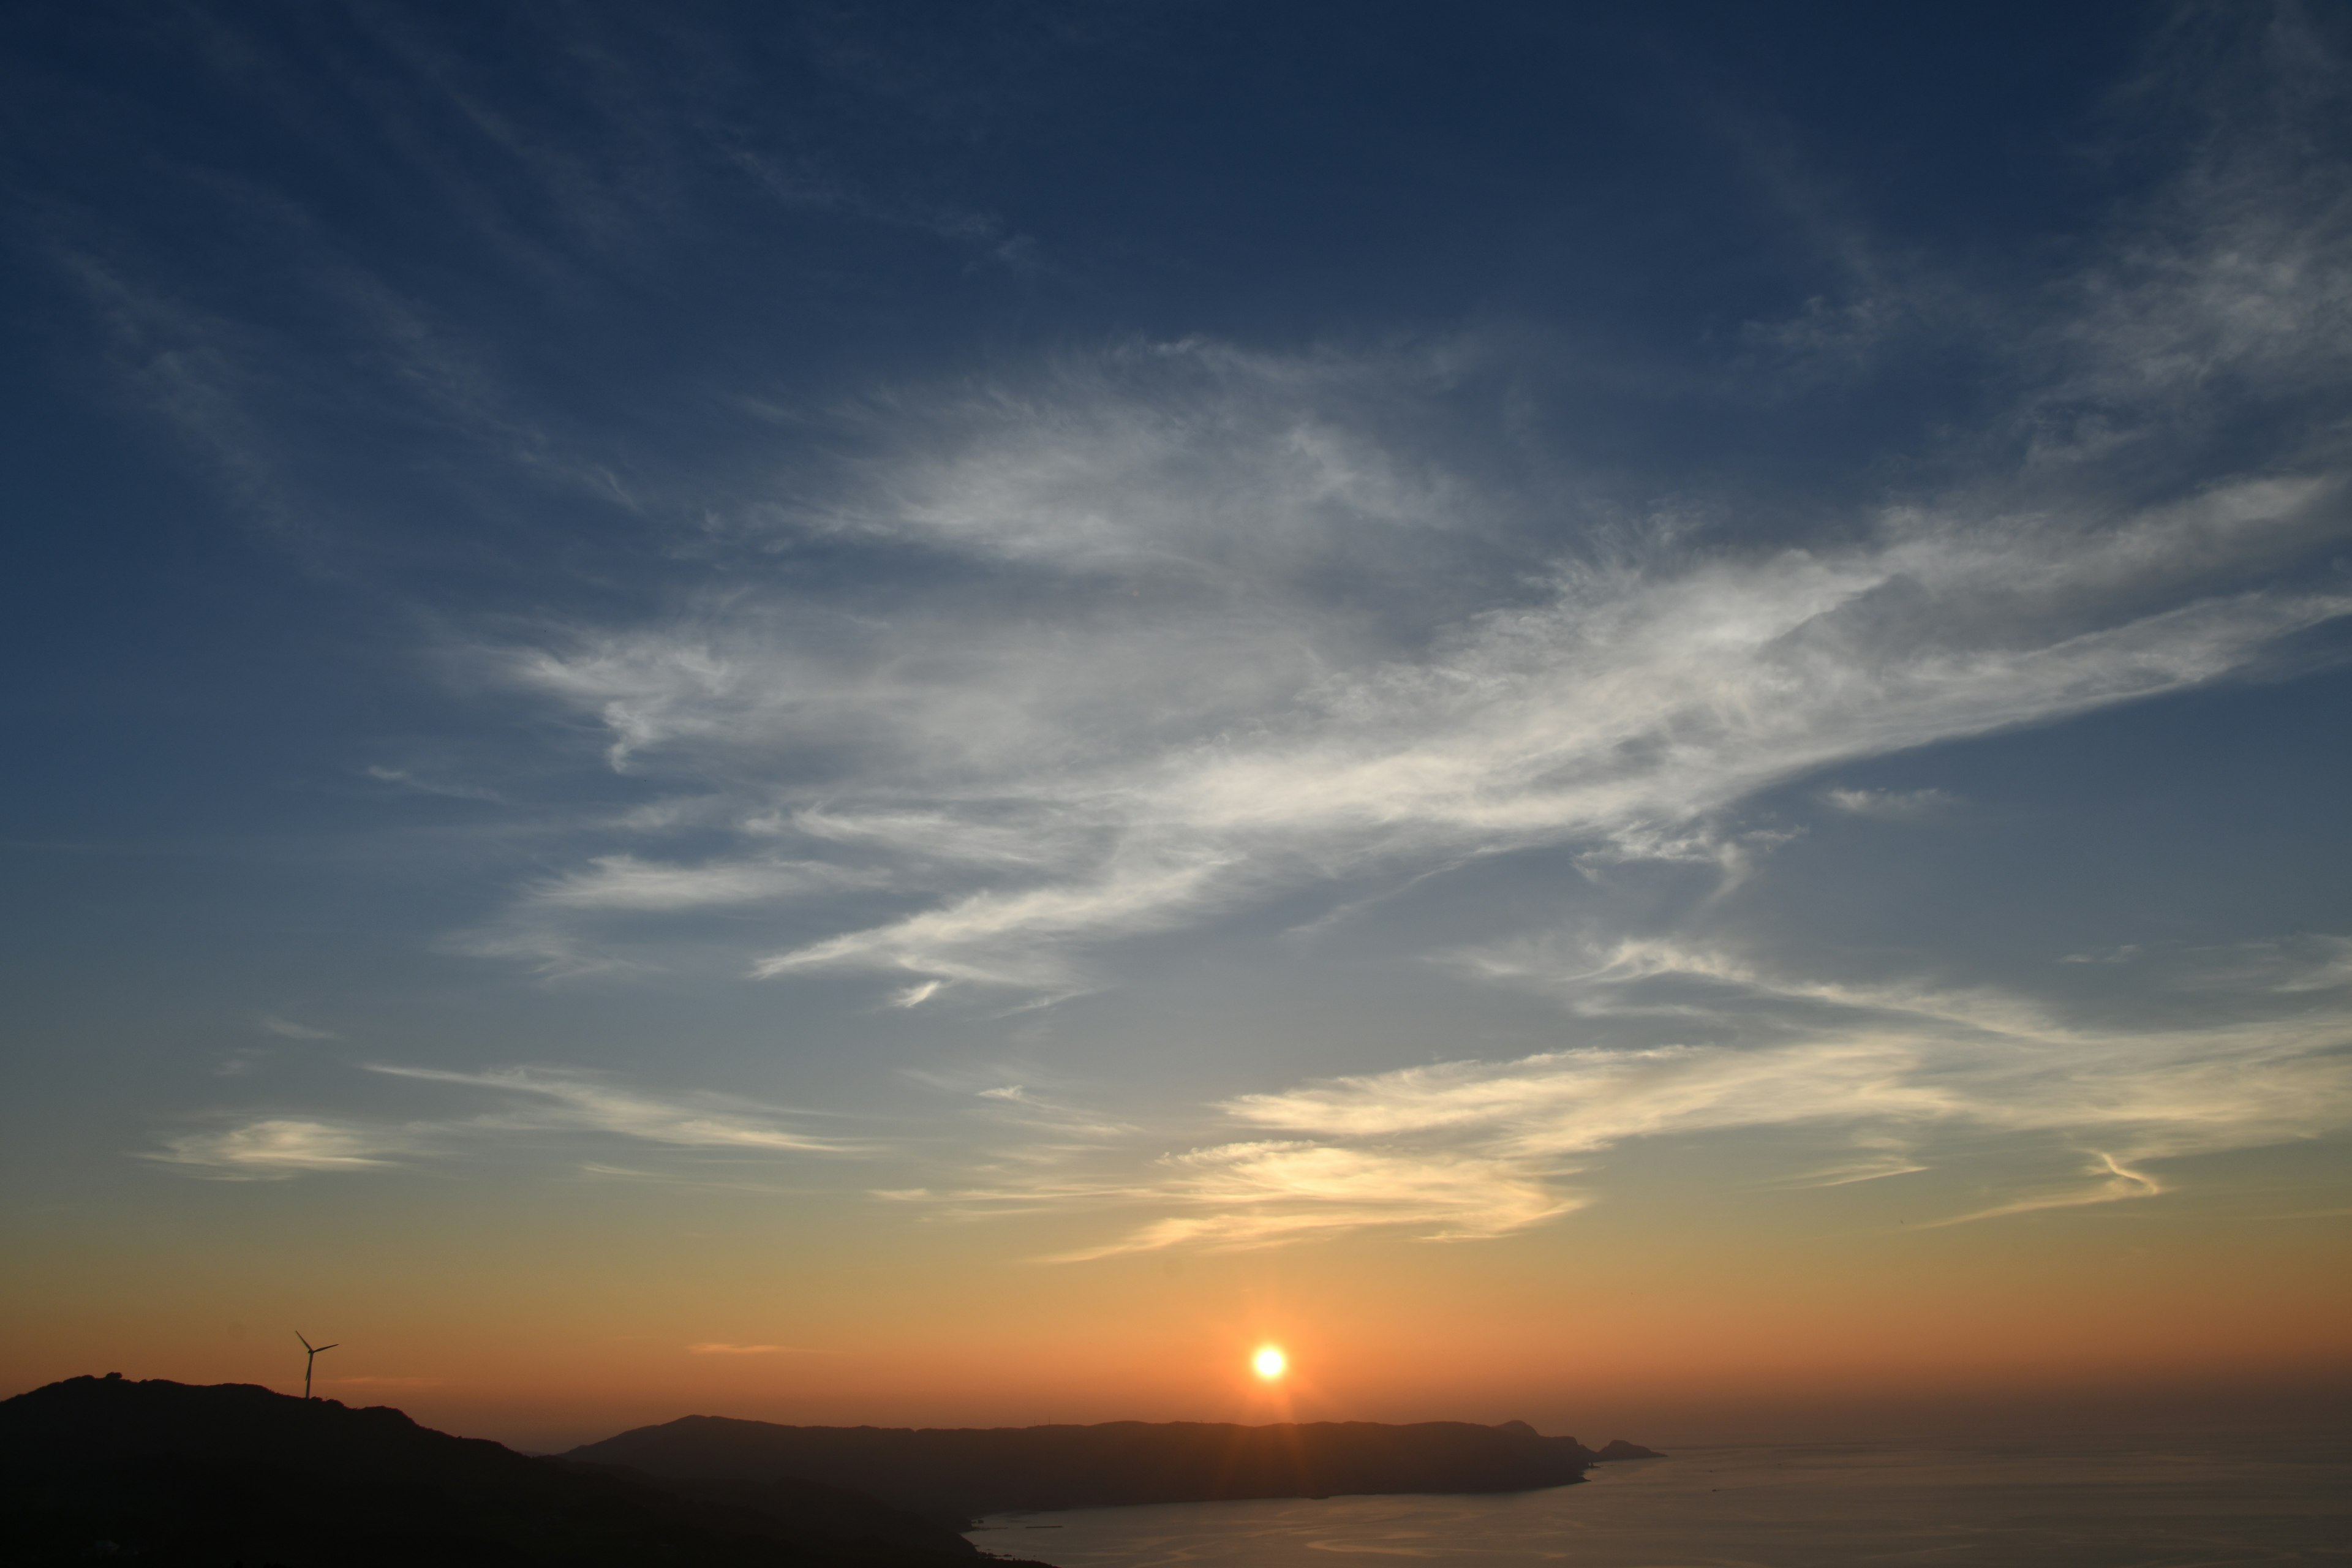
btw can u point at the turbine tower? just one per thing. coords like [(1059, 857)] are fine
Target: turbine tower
[(314, 1351)]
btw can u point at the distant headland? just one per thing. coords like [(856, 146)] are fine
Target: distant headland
[(971, 1472)]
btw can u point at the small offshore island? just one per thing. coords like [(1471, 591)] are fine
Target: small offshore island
[(182, 1475)]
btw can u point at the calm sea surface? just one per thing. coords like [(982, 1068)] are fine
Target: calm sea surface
[(2115, 1503)]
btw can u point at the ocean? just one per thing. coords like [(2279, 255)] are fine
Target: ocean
[(2092, 1503)]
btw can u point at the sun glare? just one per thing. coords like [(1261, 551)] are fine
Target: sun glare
[(1270, 1362)]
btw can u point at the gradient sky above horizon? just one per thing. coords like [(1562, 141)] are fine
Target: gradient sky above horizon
[(940, 713)]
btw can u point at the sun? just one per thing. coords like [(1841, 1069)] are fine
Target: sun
[(1269, 1362)]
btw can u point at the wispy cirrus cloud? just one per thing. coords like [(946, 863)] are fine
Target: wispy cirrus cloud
[(537, 1103), (1891, 804), (277, 1147), (1278, 621), (1272, 1193), (1909, 1076), (288, 1029), (1019, 1106), (2120, 1184), (557, 1099), (625, 883), (423, 784), (1632, 699), (1143, 632)]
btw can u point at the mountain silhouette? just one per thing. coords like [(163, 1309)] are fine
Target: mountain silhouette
[(972, 1472), (176, 1476)]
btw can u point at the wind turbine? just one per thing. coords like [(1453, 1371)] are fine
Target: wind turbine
[(314, 1351)]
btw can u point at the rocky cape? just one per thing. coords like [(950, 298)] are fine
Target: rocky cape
[(176, 1476), (971, 1472), (1618, 1448)]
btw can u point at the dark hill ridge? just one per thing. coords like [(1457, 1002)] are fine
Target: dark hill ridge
[(179, 1475), (973, 1472)]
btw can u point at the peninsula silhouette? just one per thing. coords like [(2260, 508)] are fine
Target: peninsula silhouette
[(971, 1472)]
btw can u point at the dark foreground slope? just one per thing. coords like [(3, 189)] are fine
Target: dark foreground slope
[(1003, 1469), (173, 1474)]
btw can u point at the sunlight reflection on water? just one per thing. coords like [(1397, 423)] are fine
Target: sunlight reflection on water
[(2145, 1503)]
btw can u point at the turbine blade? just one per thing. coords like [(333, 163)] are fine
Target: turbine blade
[(330, 1347), (305, 1344)]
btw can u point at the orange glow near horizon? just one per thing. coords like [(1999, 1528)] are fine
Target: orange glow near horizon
[(1686, 1318)]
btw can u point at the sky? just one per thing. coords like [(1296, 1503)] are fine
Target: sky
[(1632, 716)]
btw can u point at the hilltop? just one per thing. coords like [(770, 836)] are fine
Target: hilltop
[(180, 1476)]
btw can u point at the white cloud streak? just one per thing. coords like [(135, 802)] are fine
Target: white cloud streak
[(2119, 1183), (275, 1148), (561, 1098), (544, 1102), (1240, 1196), (446, 788), (625, 883), (1891, 804)]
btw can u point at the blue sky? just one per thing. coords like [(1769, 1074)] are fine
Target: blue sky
[(1179, 629)]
